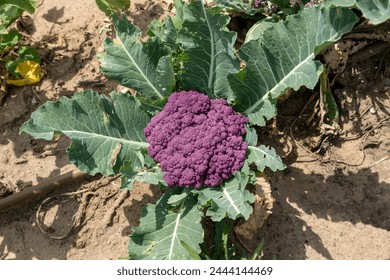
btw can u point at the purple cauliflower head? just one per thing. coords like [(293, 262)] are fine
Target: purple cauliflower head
[(197, 140)]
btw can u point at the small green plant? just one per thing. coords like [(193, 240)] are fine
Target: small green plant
[(22, 64), (170, 134)]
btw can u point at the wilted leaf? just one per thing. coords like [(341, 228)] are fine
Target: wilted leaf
[(24, 54), (330, 104), (31, 72)]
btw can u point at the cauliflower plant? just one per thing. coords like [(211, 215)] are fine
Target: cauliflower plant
[(198, 140)]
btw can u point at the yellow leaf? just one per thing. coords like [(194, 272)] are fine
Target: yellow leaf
[(31, 72)]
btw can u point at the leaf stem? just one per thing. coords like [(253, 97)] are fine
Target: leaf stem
[(211, 70), (92, 135)]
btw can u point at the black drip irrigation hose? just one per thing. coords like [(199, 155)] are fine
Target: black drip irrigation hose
[(43, 187)]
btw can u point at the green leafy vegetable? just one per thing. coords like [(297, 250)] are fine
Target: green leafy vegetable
[(163, 229), (192, 50), (208, 51), (165, 31), (283, 59), (177, 199), (8, 14), (105, 132), (23, 66), (145, 67), (265, 157)]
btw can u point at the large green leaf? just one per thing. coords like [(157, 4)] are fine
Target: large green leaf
[(208, 50), (105, 132), (145, 67), (283, 58), (164, 228), (230, 200), (27, 5), (376, 11)]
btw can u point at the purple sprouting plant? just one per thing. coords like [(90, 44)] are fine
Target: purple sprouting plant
[(197, 140)]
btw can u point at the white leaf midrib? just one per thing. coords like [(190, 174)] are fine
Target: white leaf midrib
[(308, 59), (265, 96), (212, 59), (257, 149), (96, 135), (231, 201), (140, 70), (175, 232)]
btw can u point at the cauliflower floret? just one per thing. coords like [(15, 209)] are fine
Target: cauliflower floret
[(197, 140)]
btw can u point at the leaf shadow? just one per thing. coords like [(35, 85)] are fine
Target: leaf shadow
[(139, 200)]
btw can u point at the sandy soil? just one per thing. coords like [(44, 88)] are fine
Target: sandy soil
[(331, 202)]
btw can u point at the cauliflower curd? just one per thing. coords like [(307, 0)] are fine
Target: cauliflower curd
[(198, 140)]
